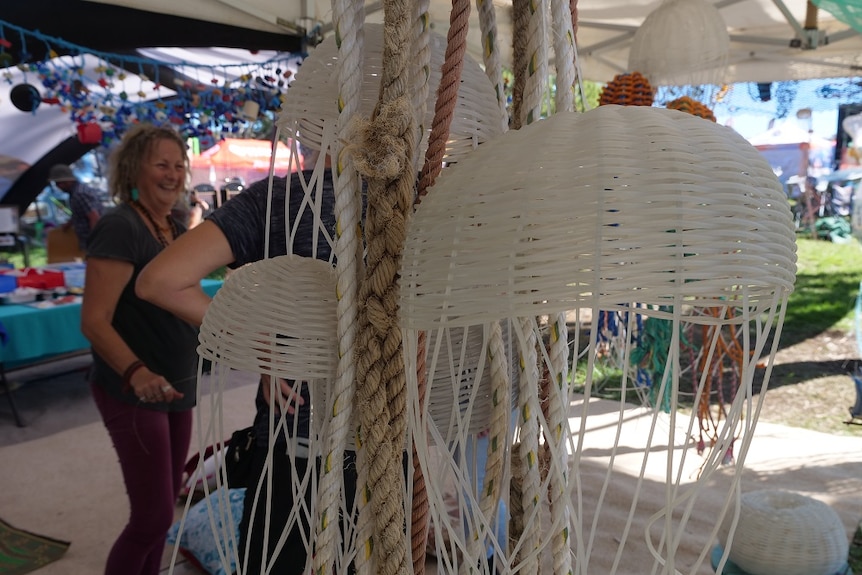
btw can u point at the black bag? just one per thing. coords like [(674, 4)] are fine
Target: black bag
[(239, 457)]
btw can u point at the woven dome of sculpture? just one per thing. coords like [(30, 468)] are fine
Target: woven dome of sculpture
[(784, 533), (615, 206), (682, 42), (275, 316), (312, 100)]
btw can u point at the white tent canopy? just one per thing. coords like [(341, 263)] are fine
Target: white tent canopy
[(761, 32), (788, 133)]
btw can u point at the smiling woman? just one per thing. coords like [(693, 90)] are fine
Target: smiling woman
[(144, 359)]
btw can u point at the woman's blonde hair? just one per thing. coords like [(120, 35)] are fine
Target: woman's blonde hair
[(126, 159)]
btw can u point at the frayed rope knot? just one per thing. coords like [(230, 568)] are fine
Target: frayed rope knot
[(378, 146)]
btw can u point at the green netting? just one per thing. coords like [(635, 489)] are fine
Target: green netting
[(847, 11)]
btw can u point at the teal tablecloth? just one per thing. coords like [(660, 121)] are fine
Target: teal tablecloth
[(37, 334)]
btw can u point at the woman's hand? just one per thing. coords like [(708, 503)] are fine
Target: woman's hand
[(152, 388), (288, 396)]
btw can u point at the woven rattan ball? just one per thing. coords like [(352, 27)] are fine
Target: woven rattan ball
[(312, 101), (784, 533), (615, 206), (627, 90), (692, 106), (276, 316)]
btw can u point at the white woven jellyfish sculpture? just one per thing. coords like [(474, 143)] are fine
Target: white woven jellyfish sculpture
[(637, 209), (310, 111), (682, 42), (258, 320), (275, 317)]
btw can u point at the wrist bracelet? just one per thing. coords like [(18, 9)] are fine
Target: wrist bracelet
[(130, 371)]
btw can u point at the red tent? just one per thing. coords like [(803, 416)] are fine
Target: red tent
[(245, 159)]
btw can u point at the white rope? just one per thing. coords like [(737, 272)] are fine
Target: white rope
[(527, 461), (564, 55), (536, 82), (491, 54), (558, 401), (347, 17), (498, 440), (421, 73)]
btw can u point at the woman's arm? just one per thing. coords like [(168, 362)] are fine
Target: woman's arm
[(172, 280), (104, 283)]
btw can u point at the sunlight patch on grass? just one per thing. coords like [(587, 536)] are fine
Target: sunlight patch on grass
[(827, 283)]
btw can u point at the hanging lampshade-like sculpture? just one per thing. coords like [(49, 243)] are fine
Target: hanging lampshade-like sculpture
[(641, 210), (660, 208), (312, 101), (275, 317), (682, 42)]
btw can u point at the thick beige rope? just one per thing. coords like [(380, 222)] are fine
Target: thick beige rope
[(348, 252), (383, 150)]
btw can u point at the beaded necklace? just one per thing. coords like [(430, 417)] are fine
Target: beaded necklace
[(159, 235)]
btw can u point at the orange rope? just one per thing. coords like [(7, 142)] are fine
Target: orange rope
[(447, 94), (447, 98), (419, 507), (727, 351)]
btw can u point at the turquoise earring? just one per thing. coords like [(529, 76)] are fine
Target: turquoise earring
[(135, 194)]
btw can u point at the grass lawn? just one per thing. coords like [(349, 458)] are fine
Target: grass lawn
[(824, 300), (827, 283)]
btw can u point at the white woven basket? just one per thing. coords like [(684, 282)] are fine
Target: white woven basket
[(615, 206), (277, 317), (312, 100), (784, 533), (682, 42)]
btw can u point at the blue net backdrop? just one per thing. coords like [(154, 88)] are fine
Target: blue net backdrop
[(774, 99)]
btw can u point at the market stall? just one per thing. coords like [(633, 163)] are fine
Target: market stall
[(41, 323)]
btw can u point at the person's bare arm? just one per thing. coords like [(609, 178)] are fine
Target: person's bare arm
[(105, 281), (172, 279), (288, 396)]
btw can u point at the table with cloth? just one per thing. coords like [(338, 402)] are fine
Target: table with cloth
[(36, 334)]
